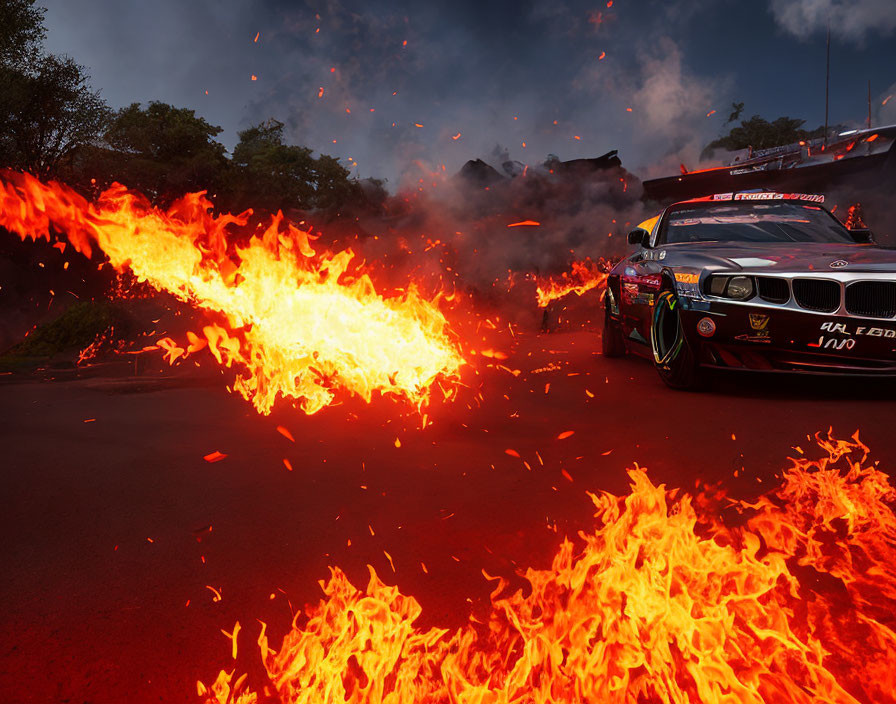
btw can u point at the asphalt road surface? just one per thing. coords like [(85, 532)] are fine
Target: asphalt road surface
[(113, 530)]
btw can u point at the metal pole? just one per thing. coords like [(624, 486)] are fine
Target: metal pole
[(869, 103), (827, 87)]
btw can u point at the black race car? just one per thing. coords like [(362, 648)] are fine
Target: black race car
[(757, 281)]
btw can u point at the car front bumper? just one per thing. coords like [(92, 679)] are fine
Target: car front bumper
[(768, 339)]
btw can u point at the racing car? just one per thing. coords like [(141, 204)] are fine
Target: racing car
[(760, 281)]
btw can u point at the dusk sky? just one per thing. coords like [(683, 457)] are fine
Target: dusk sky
[(502, 74)]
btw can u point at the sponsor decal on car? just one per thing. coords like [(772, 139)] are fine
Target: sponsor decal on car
[(759, 325), (759, 321), (858, 330), (845, 337), (761, 337), (632, 294), (706, 327), (683, 278), (834, 343), (808, 197)]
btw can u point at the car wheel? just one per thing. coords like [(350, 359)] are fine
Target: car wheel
[(612, 341), (673, 357)]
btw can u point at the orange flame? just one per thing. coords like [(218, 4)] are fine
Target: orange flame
[(855, 218), (663, 603), (582, 277), (298, 325)]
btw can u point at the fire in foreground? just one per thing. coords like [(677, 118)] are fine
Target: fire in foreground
[(582, 277), (297, 325), (789, 599)]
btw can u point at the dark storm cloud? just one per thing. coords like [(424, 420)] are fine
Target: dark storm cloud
[(467, 67)]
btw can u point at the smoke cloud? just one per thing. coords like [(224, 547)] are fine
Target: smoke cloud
[(853, 20)]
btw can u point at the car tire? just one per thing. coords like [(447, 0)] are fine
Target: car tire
[(612, 340), (673, 357)]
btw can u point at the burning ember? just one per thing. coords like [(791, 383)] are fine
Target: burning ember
[(582, 277), (670, 598), (855, 218), (294, 323)]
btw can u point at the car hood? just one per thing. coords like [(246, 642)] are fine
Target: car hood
[(792, 257)]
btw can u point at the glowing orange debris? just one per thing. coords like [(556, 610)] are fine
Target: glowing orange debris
[(285, 433), (525, 223), (216, 594), (214, 456)]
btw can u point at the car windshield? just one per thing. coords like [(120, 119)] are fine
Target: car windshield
[(754, 222)]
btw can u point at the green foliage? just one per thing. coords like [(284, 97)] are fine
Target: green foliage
[(273, 175), (759, 133), (47, 107), (76, 328), (162, 151), (21, 31), (332, 185), (48, 111)]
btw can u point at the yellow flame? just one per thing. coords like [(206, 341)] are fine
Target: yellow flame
[(298, 325)]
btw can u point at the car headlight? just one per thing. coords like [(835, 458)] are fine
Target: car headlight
[(740, 288)]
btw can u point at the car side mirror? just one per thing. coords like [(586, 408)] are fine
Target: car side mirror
[(862, 236), (639, 237)]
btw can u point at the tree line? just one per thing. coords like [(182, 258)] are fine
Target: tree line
[(759, 133), (55, 125)]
